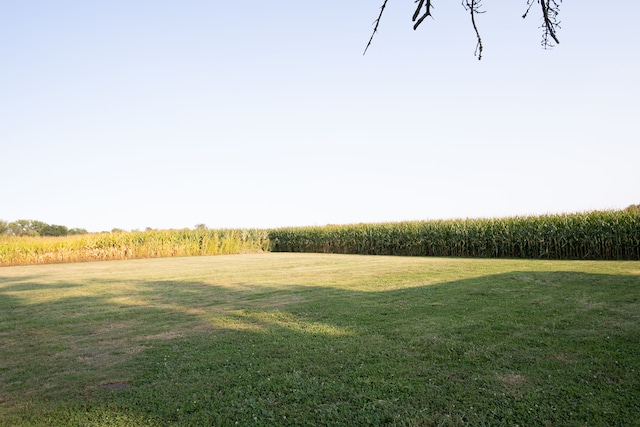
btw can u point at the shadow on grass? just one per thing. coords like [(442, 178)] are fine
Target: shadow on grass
[(528, 348)]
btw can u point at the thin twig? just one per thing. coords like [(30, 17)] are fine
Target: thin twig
[(474, 8), (375, 29), (529, 4)]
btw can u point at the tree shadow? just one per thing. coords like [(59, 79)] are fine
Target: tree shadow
[(472, 351)]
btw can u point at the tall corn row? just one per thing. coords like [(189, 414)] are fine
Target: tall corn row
[(594, 235), (124, 245)]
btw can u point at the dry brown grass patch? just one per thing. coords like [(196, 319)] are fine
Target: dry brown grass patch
[(513, 380)]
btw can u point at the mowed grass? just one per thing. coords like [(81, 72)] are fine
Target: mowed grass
[(316, 339)]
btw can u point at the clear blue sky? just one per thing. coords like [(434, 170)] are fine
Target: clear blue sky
[(167, 114)]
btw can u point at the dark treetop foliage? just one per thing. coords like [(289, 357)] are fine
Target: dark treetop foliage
[(27, 227), (549, 10)]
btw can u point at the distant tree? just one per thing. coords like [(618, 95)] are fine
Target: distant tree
[(633, 208), (200, 227), (44, 229), (549, 10), (75, 231), (26, 227), (21, 227), (4, 226), (118, 230), (54, 230), (38, 226)]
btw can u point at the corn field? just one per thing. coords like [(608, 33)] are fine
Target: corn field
[(598, 235), (129, 245)]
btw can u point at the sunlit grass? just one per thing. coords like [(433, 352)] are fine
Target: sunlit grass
[(308, 339)]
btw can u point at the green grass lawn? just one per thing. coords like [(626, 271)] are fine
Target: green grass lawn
[(310, 339)]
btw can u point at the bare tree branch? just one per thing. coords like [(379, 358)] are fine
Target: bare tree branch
[(375, 29), (427, 12), (550, 11), (417, 12), (473, 7), (550, 23)]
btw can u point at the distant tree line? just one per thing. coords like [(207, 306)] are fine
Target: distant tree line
[(28, 227)]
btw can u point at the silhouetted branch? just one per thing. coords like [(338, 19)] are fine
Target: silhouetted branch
[(550, 11), (427, 12), (375, 29), (473, 7)]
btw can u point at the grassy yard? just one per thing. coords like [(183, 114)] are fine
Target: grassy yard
[(312, 339)]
